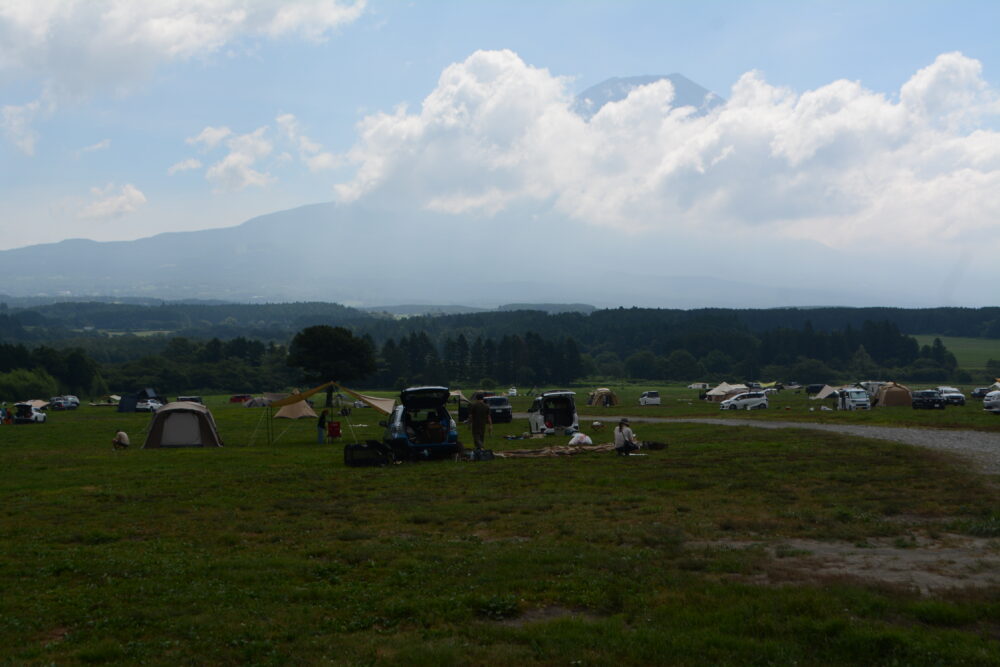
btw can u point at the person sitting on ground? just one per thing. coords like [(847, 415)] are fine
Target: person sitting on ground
[(120, 441), (624, 438)]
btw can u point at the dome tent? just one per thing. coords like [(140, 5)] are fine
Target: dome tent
[(182, 424)]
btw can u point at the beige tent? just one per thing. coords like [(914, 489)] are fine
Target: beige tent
[(893, 395), (602, 396), (182, 424), (297, 410), (723, 389)]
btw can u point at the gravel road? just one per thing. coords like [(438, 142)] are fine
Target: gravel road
[(981, 449)]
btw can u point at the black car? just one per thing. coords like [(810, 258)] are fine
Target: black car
[(501, 411), (929, 399)]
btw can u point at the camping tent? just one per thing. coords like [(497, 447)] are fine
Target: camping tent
[(257, 402), (182, 424), (893, 395), (723, 389), (826, 392), (602, 396), (296, 410)]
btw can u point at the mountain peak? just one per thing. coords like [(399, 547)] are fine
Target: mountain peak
[(686, 93)]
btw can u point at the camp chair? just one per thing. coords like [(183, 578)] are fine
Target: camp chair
[(332, 431)]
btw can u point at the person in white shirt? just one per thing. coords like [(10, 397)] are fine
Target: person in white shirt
[(624, 438)]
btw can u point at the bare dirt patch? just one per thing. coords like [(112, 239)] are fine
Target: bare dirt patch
[(543, 614), (919, 564)]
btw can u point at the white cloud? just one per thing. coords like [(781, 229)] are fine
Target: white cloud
[(310, 152), (102, 145), (16, 122), (840, 164), (210, 137), (113, 202), (75, 48), (236, 170), (184, 165)]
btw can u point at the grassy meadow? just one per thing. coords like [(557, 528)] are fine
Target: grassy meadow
[(971, 353), (277, 553)]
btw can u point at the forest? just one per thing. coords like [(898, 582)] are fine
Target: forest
[(87, 348)]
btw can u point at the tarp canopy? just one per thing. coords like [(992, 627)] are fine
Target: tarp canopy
[(37, 403), (825, 392), (383, 405), (300, 396), (458, 395)]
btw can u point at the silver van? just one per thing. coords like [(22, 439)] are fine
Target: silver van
[(748, 400)]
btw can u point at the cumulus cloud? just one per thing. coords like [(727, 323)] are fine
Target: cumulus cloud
[(75, 48), (113, 202), (236, 170), (840, 164), (310, 152), (184, 165)]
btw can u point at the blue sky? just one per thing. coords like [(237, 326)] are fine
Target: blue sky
[(103, 103)]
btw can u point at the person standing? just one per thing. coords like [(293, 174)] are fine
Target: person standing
[(624, 438), (321, 427), (479, 419)]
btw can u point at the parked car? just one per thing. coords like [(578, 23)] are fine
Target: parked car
[(928, 399), (553, 410), (58, 403), (148, 405), (748, 400), (981, 392), (420, 426), (73, 401), (649, 398), (501, 411), (952, 396), (991, 402), (26, 413)]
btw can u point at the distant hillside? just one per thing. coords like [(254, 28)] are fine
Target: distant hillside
[(687, 93), (552, 308)]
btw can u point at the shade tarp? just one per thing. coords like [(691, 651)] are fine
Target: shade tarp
[(383, 405), (825, 392), (301, 396)]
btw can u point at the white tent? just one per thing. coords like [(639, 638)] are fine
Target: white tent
[(825, 392), (723, 389)]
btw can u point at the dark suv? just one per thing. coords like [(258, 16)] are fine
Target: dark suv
[(501, 411), (420, 426), (929, 399)]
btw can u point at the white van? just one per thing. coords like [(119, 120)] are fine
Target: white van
[(649, 398), (553, 410), (748, 400), (991, 402), (853, 398)]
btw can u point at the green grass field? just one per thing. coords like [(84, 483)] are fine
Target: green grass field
[(971, 353), (278, 554)]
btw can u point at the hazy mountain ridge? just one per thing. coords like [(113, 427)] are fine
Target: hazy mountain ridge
[(687, 93)]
